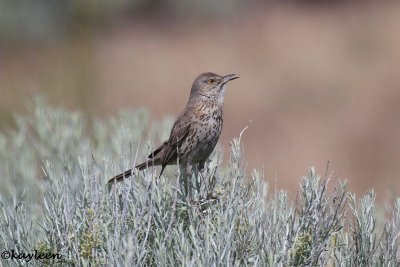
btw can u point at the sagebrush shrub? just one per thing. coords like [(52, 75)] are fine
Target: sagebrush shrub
[(54, 199)]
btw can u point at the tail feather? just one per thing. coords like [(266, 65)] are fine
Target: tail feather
[(120, 177), (144, 165), (126, 174)]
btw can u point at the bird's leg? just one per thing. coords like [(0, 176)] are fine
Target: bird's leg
[(211, 180), (205, 167), (188, 180), (198, 179), (201, 177), (201, 167)]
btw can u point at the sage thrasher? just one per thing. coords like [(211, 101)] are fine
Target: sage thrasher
[(196, 131)]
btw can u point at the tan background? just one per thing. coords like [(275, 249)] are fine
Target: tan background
[(319, 81)]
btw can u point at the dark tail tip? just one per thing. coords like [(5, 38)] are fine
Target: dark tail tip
[(120, 177), (142, 166)]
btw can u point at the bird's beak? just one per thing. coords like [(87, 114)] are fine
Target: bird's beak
[(229, 77)]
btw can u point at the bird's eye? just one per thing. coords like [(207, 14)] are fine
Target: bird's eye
[(212, 80)]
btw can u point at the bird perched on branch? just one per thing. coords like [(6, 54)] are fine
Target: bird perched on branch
[(196, 131)]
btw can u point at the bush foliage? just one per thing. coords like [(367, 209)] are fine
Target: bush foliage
[(54, 199)]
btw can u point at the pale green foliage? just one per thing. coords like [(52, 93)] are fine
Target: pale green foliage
[(54, 199)]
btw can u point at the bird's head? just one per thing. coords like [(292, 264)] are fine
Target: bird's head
[(211, 85)]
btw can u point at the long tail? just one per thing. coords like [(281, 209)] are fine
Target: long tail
[(120, 177), (126, 174)]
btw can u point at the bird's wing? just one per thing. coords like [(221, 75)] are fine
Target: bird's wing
[(179, 132)]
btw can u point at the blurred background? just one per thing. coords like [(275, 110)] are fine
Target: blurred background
[(319, 79)]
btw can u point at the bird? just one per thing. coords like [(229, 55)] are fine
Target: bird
[(196, 131)]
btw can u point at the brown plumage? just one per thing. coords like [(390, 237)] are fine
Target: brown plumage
[(196, 131)]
